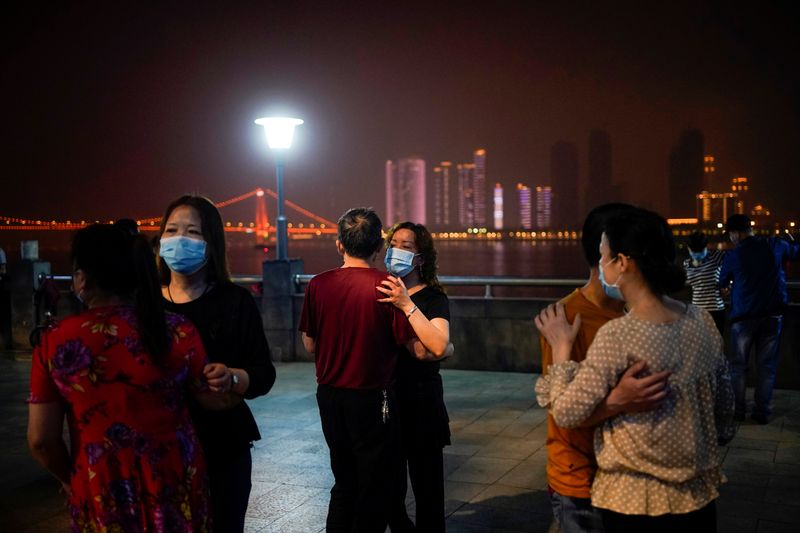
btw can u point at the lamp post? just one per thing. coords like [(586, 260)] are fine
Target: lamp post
[(280, 131)]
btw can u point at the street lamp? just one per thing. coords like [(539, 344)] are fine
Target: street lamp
[(280, 131)]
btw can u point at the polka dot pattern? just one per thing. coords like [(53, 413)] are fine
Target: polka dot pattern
[(665, 460)]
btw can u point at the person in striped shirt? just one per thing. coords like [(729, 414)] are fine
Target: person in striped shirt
[(702, 274)]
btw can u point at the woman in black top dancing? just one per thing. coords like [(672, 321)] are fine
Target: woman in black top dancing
[(415, 289), (196, 283)]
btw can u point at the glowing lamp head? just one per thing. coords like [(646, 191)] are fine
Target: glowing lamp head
[(279, 130)]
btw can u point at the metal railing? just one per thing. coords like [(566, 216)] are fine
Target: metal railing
[(498, 281)]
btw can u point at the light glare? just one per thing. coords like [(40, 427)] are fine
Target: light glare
[(279, 130)]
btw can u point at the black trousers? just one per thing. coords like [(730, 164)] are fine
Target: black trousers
[(364, 456), (703, 520), (229, 480), (719, 320)]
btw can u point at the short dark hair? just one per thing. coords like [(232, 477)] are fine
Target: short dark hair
[(213, 234), (645, 237), (593, 228), (359, 231), (128, 224), (738, 222), (698, 241)]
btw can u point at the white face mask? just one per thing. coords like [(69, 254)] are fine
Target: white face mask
[(611, 289)]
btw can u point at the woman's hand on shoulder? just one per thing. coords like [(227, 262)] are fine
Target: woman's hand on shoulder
[(553, 325), (396, 293)]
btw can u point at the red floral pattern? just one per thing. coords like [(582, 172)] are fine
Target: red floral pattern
[(137, 463)]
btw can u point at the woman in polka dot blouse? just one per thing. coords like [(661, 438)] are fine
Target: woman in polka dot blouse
[(660, 468)]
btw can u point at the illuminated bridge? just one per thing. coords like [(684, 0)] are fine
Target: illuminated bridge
[(261, 227)]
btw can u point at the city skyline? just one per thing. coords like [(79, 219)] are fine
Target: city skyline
[(118, 109)]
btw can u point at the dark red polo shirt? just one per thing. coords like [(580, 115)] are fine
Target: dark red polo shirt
[(356, 336)]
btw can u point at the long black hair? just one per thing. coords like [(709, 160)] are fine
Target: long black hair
[(213, 233), (119, 263), (646, 237)]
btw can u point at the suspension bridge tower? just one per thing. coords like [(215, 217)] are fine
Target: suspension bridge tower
[(262, 222)]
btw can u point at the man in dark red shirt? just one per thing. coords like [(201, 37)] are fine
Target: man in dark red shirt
[(355, 339)]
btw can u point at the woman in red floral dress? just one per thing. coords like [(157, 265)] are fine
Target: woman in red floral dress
[(121, 371)]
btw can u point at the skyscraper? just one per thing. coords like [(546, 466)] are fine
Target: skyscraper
[(498, 206), (544, 207), (442, 212), (525, 211), (709, 167), (599, 189), (740, 186), (564, 176), (466, 196), (479, 189), (405, 190), (686, 173)]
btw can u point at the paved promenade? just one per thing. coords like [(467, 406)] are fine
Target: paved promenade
[(494, 469)]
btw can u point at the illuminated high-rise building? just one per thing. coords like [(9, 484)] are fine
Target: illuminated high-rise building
[(498, 206), (442, 212), (741, 187), (564, 188), (466, 195), (479, 188), (709, 167), (405, 190), (544, 207), (686, 164), (525, 207)]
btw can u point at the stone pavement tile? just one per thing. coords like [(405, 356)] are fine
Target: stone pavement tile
[(452, 462), (279, 501), (59, 522), (780, 481), (753, 444), (268, 470), (529, 475), (486, 515), (750, 454), (458, 494), (307, 518), (771, 431), (741, 477), (316, 458), (465, 443), (42, 503), (783, 496), (454, 526), (320, 477), (735, 524), (741, 492), (512, 498), (490, 425), (510, 448), (518, 429), (733, 507), (482, 470), (768, 526), (788, 453)]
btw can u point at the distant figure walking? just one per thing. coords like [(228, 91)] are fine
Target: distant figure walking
[(702, 275), (355, 341), (754, 272)]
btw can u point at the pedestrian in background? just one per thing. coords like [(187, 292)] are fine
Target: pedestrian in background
[(753, 272), (702, 275)]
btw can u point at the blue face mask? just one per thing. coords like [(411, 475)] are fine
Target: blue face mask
[(611, 290), (698, 256), (399, 262), (182, 254)]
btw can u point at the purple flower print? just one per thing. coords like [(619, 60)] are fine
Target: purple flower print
[(120, 435), (71, 357)]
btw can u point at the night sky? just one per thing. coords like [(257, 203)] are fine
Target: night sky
[(113, 111)]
